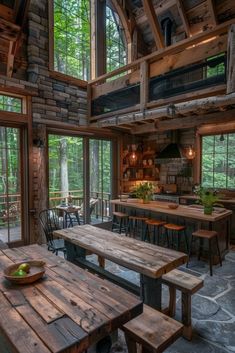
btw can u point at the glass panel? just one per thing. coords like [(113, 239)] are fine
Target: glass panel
[(10, 186), (72, 38), (65, 170), (115, 41), (10, 104), (100, 179), (218, 161)]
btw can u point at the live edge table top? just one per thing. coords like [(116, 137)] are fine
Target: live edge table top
[(144, 258), (66, 311)]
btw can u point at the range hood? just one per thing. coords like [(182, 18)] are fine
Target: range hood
[(171, 152)]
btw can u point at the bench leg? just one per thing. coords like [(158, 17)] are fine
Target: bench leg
[(186, 316), (172, 301), (131, 344), (101, 261)]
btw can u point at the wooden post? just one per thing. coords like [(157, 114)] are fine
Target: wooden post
[(98, 48), (144, 84), (231, 60)]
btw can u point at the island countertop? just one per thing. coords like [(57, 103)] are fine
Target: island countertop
[(190, 211)]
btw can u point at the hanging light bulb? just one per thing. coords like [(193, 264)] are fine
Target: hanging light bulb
[(221, 138), (190, 153)]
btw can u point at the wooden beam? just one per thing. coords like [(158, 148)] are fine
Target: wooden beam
[(183, 16), (10, 58), (6, 13), (9, 30), (144, 84), (194, 121), (153, 22), (211, 7), (183, 108), (184, 122), (173, 49), (98, 44), (231, 60), (159, 9)]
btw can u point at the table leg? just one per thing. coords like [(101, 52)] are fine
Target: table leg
[(74, 251), (151, 291)]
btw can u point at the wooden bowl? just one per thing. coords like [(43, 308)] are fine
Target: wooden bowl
[(173, 206), (36, 271)]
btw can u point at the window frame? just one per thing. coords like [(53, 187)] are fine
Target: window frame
[(53, 73), (208, 130)]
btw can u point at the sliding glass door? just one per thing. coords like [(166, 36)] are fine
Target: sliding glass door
[(11, 191), (100, 179), (65, 154)]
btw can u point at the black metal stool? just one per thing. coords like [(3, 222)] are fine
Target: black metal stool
[(119, 222), (136, 223), (209, 235), (177, 230), (155, 225)]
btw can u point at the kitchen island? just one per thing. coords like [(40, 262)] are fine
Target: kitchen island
[(192, 216)]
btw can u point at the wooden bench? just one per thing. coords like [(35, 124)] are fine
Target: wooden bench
[(153, 330), (188, 285)]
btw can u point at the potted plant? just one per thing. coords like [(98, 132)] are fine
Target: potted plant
[(207, 198), (144, 191)]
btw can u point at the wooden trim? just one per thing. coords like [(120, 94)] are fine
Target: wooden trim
[(68, 79), (218, 128), (13, 117), (51, 34), (153, 22), (115, 113), (173, 49), (20, 92)]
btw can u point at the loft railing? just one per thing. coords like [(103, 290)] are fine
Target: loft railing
[(133, 91)]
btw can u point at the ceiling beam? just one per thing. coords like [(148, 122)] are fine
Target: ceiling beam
[(184, 122), (211, 7), (183, 17), (154, 24), (159, 9)]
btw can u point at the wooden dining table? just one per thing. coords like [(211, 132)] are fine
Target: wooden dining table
[(149, 260), (66, 311)]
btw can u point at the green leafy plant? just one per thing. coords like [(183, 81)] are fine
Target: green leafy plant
[(207, 198), (144, 191)]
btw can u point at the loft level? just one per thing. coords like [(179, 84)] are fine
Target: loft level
[(210, 72)]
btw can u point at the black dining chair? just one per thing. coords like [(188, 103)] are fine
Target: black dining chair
[(53, 219)]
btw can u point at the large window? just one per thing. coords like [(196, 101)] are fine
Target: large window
[(115, 41), (72, 37), (218, 161)]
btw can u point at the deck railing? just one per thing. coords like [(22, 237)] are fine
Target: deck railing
[(102, 207)]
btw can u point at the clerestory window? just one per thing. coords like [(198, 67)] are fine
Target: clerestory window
[(116, 54), (72, 38)]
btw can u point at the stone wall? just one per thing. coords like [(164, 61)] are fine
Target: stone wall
[(54, 101)]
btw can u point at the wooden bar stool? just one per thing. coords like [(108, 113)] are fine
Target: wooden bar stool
[(176, 229), (156, 226), (119, 222), (136, 224), (209, 235)]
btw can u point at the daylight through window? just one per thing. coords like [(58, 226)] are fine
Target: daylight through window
[(218, 161)]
